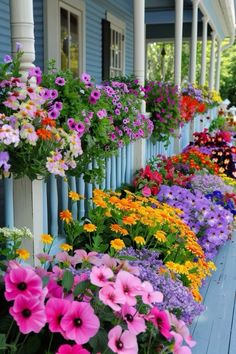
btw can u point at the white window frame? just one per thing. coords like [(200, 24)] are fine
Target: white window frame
[(119, 26), (52, 30)]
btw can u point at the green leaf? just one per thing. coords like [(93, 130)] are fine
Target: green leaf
[(99, 342), (81, 287), (67, 280), (2, 339), (45, 280), (32, 345)]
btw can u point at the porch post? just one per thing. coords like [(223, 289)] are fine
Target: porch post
[(179, 8), (218, 64), (139, 72), (193, 55), (205, 21), (27, 195), (22, 31), (212, 62)]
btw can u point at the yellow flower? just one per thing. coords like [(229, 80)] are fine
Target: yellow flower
[(115, 228), (66, 216), (160, 236), (65, 247), (23, 253), (99, 202), (75, 196), (89, 227), (46, 238), (108, 214), (129, 220), (139, 240), (117, 244)]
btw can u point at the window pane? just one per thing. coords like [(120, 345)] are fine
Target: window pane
[(64, 40), (74, 44)]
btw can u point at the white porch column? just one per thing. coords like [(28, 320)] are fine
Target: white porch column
[(27, 195), (218, 64), (212, 62), (193, 54), (139, 72), (179, 8), (22, 31), (205, 21)]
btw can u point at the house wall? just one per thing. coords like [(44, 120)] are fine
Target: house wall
[(5, 30), (95, 10)]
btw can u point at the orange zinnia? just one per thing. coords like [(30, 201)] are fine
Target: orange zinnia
[(49, 121), (66, 216), (44, 134)]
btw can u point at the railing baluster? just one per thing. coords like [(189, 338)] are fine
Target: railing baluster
[(8, 201), (128, 164), (108, 173), (113, 172), (45, 208), (82, 201), (118, 169), (53, 206), (123, 164), (64, 193), (89, 189), (74, 207)]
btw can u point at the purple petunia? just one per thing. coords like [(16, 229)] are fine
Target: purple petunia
[(7, 59), (60, 81)]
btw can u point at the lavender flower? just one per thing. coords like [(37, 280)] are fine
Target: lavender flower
[(60, 81), (209, 183)]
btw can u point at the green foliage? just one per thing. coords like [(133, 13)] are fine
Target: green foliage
[(228, 74)]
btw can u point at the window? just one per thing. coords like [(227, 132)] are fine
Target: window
[(65, 34), (117, 46), (70, 33)]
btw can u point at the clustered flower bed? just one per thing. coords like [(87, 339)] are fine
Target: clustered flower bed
[(128, 278)]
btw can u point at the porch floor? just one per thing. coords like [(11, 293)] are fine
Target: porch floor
[(215, 329)]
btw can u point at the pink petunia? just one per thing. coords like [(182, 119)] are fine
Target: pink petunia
[(161, 321), (135, 323), (72, 349), (109, 297), (128, 287), (55, 310), (181, 328), (122, 343), (100, 275), (82, 256), (146, 191), (150, 296), (80, 323), (178, 348), (29, 314), (22, 281)]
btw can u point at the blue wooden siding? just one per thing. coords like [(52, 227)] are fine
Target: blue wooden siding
[(5, 30), (95, 11), (39, 33)]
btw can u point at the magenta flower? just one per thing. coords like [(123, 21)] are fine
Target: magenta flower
[(128, 287), (122, 343), (146, 191), (58, 105), (29, 314), (60, 81), (100, 276), (35, 72), (85, 78), (80, 128), (96, 94), (22, 281), (135, 323), (150, 296), (54, 113), (55, 310), (109, 297), (71, 123), (72, 349), (53, 94), (161, 321), (80, 323)]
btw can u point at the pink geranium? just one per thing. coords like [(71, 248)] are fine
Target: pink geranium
[(146, 191), (22, 281), (100, 275), (178, 348), (55, 310), (80, 323), (29, 314), (161, 321), (135, 323), (150, 296), (128, 287), (72, 349), (109, 296), (122, 343)]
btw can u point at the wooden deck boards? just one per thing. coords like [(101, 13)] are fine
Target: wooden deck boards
[(215, 329)]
